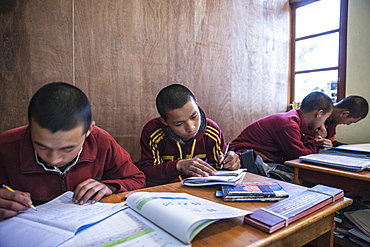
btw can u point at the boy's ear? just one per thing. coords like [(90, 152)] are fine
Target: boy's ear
[(90, 128), (344, 113), (319, 113), (163, 121)]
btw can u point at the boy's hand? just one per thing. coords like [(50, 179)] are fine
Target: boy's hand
[(91, 189), (321, 132), (195, 168), (324, 143), (13, 202), (231, 161)]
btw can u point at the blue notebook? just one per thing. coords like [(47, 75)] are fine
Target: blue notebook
[(254, 191)]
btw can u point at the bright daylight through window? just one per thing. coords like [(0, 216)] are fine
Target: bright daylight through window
[(317, 45)]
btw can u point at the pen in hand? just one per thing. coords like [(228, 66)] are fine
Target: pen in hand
[(227, 149), (10, 189)]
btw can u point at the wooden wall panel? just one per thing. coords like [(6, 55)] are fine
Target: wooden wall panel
[(14, 66), (260, 55), (36, 46), (120, 59), (211, 53), (233, 54), (51, 42)]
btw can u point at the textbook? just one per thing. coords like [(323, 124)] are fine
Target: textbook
[(280, 214), (254, 191), (355, 164), (155, 219), (222, 177), (54, 222), (354, 150)]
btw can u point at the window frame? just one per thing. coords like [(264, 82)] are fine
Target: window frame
[(342, 58)]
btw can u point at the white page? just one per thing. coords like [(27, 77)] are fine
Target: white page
[(355, 231), (230, 173), (60, 213), (125, 228), (179, 213), (20, 232), (64, 214)]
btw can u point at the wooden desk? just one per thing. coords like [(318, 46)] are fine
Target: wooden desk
[(350, 181), (233, 232)]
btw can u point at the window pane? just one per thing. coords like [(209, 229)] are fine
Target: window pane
[(323, 81), (318, 52), (317, 17)]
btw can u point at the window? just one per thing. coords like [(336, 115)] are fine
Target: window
[(318, 48)]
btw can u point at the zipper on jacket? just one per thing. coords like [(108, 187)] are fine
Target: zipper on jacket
[(64, 186)]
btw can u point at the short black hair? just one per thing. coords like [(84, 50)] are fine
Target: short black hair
[(59, 106), (356, 105), (172, 97), (316, 101)]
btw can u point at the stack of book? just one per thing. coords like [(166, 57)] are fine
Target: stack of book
[(280, 214), (354, 150), (361, 219), (352, 225), (338, 161), (355, 157)]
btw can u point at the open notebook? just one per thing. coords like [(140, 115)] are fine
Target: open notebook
[(155, 219), (54, 222), (222, 177)]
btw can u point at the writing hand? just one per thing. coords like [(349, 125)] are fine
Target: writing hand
[(91, 189), (13, 202), (231, 161), (195, 168)]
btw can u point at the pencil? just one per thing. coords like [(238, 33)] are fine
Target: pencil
[(10, 189), (227, 149)]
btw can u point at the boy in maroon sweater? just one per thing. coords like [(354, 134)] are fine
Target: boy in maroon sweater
[(61, 149), (285, 136), (182, 141), (347, 111)]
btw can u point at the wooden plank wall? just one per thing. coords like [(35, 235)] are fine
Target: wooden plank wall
[(233, 54)]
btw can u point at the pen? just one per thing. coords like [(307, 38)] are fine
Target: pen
[(227, 149), (10, 189)]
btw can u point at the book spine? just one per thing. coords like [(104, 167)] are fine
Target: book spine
[(256, 199), (299, 206), (262, 227), (253, 194)]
